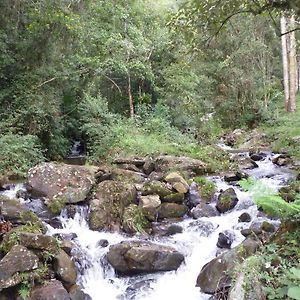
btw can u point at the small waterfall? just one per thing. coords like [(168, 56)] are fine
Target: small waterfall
[(197, 242)]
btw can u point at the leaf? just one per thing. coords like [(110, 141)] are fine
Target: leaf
[(296, 272), (294, 292)]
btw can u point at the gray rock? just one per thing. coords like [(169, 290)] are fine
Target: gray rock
[(109, 202), (227, 200), (216, 275), (203, 210), (65, 268), (170, 163), (134, 257), (51, 290), (225, 239), (171, 210), (18, 259), (61, 182), (150, 206), (245, 217)]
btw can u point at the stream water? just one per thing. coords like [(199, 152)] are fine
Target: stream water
[(197, 242)]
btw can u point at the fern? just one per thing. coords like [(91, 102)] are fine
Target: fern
[(269, 200)]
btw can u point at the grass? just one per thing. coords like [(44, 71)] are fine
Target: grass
[(281, 133)]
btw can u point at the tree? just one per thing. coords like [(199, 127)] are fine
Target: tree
[(288, 43)]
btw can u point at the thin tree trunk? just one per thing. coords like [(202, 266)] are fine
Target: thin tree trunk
[(131, 106), (285, 63), (293, 67)]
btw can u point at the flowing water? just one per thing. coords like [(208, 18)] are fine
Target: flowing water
[(197, 242)]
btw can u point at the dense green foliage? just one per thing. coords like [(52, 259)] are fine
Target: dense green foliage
[(271, 202)]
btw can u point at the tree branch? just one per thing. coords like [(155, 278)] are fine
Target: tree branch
[(287, 32), (114, 83)]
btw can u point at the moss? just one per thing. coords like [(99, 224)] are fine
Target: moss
[(56, 205), (206, 188)]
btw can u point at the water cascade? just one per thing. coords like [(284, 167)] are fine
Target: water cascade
[(197, 242)]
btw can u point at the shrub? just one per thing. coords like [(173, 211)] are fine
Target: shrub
[(18, 154)]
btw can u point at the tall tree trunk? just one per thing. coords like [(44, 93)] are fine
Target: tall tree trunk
[(285, 62), (131, 106), (292, 67)]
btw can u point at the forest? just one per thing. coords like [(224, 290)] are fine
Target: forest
[(136, 85)]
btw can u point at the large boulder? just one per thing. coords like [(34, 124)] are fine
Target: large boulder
[(61, 182), (65, 268), (51, 290), (227, 200), (109, 202), (134, 257), (18, 259), (189, 165), (216, 275), (246, 285), (171, 210), (150, 205)]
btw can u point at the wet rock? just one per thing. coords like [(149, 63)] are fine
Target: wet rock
[(203, 210), (162, 229), (150, 206), (71, 210), (247, 164), (227, 200), (281, 160), (67, 246), (203, 228), (61, 182), (245, 217), (18, 259), (217, 274), (131, 291), (178, 182), (257, 156), (171, 210), (229, 177), (76, 293), (268, 227), (12, 210), (134, 257), (193, 196), (109, 202), (102, 243), (51, 290), (186, 164), (156, 188), (225, 239), (65, 268), (247, 232), (66, 236)]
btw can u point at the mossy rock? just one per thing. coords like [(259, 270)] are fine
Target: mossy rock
[(206, 188), (109, 202), (133, 220), (156, 188), (171, 210), (227, 200), (175, 198)]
